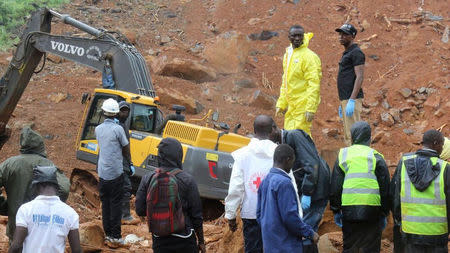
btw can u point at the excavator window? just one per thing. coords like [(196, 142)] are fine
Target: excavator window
[(95, 116), (143, 118)]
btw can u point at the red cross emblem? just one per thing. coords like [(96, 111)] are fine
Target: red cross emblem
[(257, 182)]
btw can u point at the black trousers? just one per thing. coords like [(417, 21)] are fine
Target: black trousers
[(361, 237), (111, 194), (174, 244), (413, 248), (126, 195), (252, 236)]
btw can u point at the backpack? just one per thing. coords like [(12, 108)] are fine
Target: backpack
[(164, 209)]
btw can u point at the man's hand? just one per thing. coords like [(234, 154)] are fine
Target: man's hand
[(316, 238), (232, 225), (309, 116), (279, 112), (202, 247)]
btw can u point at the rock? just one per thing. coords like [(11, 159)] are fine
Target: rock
[(422, 90), (387, 119), (254, 21), (198, 107), (404, 109), (165, 39), (395, 114), (19, 125), (406, 92), (264, 35), (154, 52), (228, 53), (262, 100), (188, 70), (432, 102), (365, 24), (421, 96), (413, 102), (58, 97), (365, 45), (169, 14), (91, 233), (445, 35), (333, 132), (198, 48), (244, 83), (377, 136), (169, 97), (385, 104), (374, 57), (408, 131)]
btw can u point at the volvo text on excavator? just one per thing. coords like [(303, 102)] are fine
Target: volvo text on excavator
[(125, 78)]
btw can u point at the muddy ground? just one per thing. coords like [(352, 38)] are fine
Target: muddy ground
[(403, 40)]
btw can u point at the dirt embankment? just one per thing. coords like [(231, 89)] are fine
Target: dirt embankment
[(406, 81)]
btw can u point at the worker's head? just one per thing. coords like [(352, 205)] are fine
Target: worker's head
[(296, 34), (44, 180), (347, 34), (170, 153), (433, 139), (31, 142), (124, 111), (275, 136), (284, 157), (361, 133), (110, 108), (263, 126)]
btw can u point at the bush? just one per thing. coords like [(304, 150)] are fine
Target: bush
[(14, 13)]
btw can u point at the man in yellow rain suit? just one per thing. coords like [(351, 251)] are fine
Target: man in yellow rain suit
[(300, 88)]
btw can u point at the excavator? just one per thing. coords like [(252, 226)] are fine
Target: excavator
[(206, 151)]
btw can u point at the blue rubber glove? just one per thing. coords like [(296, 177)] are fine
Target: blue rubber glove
[(338, 219), (133, 170), (306, 202), (340, 112), (116, 120), (383, 221), (350, 108)]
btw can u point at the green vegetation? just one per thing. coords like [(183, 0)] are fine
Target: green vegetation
[(14, 13)]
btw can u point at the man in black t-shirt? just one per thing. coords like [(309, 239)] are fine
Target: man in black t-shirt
[(349, 80)]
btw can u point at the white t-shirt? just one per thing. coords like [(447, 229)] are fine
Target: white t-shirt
[(48, 221)]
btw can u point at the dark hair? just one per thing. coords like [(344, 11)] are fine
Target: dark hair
[(432, 137), (296, 27), (263, 125), (282, 153)]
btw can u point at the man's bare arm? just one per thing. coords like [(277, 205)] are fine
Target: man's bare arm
[(19, 236), (359, 71), (74, 241)]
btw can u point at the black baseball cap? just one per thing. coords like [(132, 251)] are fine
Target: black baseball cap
[(347, 29)]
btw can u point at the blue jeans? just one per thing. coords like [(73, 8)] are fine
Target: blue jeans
[(252, 236), (312, 217)]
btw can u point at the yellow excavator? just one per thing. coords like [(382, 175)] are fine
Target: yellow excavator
[(206, 150)]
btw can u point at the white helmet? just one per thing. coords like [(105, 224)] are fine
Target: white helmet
[(110, 107)]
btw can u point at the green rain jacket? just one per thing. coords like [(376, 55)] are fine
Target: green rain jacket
[(16, 174)]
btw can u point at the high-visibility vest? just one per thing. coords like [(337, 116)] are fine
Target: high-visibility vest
[(423, 212), (360, 184)]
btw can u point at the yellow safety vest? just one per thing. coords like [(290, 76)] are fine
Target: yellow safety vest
[(360, 187), (423, 212)]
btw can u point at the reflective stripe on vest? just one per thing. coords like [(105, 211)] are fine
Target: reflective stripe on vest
[(423, 212), (360, 184)]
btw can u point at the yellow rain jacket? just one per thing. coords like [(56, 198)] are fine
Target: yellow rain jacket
[(445, 155), (300, 88)]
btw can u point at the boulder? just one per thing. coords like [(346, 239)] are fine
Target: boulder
[(228, 52), (432, 102), (91, 233), (387, 119), (244, 83), (262, 100), (188, 70), (395, 114), (169, 97)]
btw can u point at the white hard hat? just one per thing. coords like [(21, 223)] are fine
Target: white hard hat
[(110, 107)]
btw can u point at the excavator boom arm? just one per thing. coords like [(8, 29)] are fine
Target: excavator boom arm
[(128, 67)]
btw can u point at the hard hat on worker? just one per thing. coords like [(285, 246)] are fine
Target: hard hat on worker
[(110, 107)]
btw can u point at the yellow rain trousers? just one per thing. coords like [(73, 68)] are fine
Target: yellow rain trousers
[(300, 88)]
